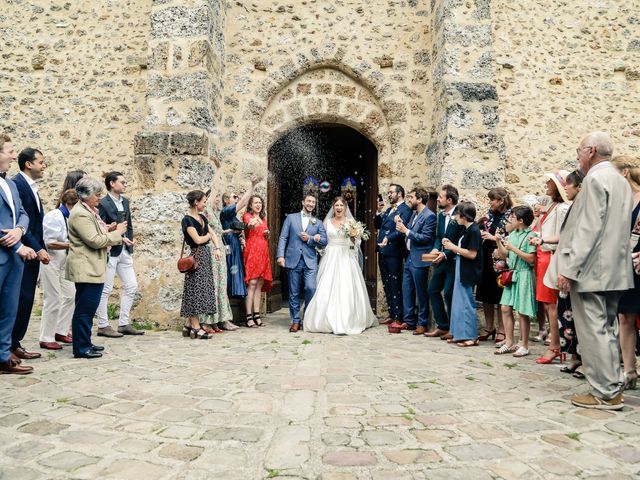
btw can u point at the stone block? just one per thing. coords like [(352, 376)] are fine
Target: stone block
[(323, 89), (395, 112), (159, 56), (349, 459), (183, 453), (177, 22), (476, 35), (151, 143), (475, 92), (289, 448), (194, 173), (188, 144), (473, 178), (303, 89), (200, 117), (68, 460), (345, 91), (145, 167), (634, 45), (459, 115), (180, 87)]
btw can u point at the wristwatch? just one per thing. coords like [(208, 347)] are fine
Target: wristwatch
[(22, 229)]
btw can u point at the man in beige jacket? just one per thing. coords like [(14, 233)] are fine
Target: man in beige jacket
[(594, 263)]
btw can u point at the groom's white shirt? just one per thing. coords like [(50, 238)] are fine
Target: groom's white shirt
[(305, 221)]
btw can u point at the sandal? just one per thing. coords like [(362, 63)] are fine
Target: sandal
[(541, 337), (521, 352), (488, 334), (469, 343), (199, 333), (504, 349), (227, 326), (578, 375), (572, 368), (249, 321), (630, 380), (500, 337), (257, 321), (186, 331)]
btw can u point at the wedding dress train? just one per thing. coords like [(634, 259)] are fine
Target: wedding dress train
[(341, 303)]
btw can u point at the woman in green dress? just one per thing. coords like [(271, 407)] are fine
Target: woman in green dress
[(222, 319), (521, 294)]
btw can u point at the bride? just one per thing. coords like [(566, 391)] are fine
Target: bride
[(340, 304)]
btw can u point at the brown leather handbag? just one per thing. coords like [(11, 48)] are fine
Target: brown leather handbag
[(187, 264)]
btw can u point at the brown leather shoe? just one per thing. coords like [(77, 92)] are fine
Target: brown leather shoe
[(436, 333), (294, 327), (63, 338), (446, 336), (11, 367), (420, 330), (24, 355), (50, 345), (15, 359), (386, 321)]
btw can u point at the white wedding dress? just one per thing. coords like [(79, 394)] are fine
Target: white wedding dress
[(341, 303)]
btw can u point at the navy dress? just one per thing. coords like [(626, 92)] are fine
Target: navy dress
[(630, 300), (464, 319), (235, 267)]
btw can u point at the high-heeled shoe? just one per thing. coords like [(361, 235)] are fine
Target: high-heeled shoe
[(556, 354), (257, 320), (542, 334), (572, 368), (249, 321), (489, 334), (500, 338), (630, 380), (186, 331)]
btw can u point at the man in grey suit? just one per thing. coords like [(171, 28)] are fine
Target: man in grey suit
[(594, 263)]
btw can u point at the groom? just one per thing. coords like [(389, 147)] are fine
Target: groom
[(300, 235)]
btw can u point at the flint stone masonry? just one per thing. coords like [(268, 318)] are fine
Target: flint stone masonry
[(474, 93)]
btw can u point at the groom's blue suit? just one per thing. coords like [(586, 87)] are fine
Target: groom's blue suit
[(300, 259)]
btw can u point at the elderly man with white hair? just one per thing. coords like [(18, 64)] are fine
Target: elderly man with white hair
[(594, 263)]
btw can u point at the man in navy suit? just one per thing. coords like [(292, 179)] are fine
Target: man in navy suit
[(420, 235), (444, 272), (301, 234), (32, 167), (391, 250), (13, 225)]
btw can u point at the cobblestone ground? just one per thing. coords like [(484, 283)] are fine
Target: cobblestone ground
[(264, 403)]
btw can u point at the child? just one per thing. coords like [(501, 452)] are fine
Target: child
[(520, 295), (464, 320)]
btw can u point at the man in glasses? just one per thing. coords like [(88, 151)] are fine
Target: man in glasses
[(594, 264), (391, 249)]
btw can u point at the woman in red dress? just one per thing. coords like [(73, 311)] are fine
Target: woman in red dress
[(257, 264)]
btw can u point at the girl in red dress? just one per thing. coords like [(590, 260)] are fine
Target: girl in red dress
[(257, 264)]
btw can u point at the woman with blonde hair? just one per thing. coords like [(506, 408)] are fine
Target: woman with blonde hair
[(629, 306)]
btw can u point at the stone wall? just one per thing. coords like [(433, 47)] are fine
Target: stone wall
[(562, 70), (73, 82), (474, 92)]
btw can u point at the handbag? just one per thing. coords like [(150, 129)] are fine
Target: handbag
[(187, 264), (227, 247), (238, 225), (505, 279)]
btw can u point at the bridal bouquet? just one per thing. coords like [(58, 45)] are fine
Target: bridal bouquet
[(354, 230)]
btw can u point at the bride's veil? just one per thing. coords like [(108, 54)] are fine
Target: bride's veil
[(349, 215)]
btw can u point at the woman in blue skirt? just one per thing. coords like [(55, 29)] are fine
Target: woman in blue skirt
[(232, 229), (464, 319)]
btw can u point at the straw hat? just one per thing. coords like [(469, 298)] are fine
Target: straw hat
[(559, 177)]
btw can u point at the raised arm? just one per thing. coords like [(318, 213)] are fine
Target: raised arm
[(244, 200)]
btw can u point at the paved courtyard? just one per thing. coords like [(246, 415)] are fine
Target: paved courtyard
[(264, 403)]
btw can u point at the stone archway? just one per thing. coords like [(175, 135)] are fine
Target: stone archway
[(341, 161)]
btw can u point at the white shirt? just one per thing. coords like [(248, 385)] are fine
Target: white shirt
[(305, 220), (34, 188), (415, 219), (7, 191), (447, 217), (54, 227), (118, 202)]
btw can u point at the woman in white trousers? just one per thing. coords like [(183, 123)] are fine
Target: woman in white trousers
[(58, 293)]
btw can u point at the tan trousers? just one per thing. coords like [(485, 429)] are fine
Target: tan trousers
[(596, 322)]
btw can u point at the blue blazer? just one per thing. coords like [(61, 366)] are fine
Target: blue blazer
[(291, 246), (33, 237), (387, 228), (6, 218), (422, 236)]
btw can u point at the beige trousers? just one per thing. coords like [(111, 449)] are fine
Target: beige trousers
[(58, 298)]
